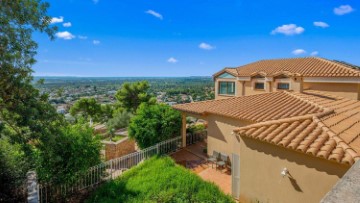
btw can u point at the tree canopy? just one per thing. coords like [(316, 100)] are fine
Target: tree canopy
[(131, 95), (30, 128), (24, 113), (88, 107), (154, 123)]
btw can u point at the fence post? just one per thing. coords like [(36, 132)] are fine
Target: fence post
[(32, 187), (111, 169), (157, 149)]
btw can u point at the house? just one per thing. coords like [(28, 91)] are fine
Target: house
[(291, 127)]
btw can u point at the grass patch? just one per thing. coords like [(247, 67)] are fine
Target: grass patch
[(159, 179)]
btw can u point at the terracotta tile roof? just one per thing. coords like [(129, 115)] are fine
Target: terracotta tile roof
[(232, 71), (333, 134), (344, 122), (311, 122), (254, 108), (305, 134), (307, 67)]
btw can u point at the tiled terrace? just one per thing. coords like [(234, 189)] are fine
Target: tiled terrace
[(193, 158)]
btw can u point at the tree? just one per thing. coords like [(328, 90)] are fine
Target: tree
[(30, 128), (60, 92), (24, 111), (154, 123), (89, 108), (64, 159), (120, 120), (107, 111), (25, 115), (131, 95)]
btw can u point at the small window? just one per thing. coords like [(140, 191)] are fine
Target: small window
[(259, 85), (283, 86), (227, 88)]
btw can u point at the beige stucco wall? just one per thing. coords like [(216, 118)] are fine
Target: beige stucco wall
[(347, 90), (250, 90), (220, 136), (260, 179)]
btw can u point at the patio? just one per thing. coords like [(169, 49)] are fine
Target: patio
[(193, 158)]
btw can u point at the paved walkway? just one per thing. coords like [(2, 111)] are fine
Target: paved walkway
[(197, 164), (222, 179)]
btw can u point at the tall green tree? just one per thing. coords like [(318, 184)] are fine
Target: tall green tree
[(89, 108), (154, 123), (26, 117), (131, 95), (30, 128), (23, 110)]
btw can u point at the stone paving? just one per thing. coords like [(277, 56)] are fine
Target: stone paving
[(190, 159)]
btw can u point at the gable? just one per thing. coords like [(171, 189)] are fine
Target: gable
[(226, 75)]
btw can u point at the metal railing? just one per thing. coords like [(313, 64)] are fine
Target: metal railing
[(196, 137), (106, 171)]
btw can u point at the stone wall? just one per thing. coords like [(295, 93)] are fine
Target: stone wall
[(347, 188), (120, 148)]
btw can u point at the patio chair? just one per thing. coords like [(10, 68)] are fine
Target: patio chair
[(222, 161), (214, 158)]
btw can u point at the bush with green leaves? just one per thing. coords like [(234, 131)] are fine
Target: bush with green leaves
[(154, 123), (13, 168), (159, 180), (193, 129), (69, 155)]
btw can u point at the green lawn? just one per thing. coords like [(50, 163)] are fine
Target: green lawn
[(159, 179)]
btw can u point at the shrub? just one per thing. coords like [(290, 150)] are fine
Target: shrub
[(153, 124), (13, 167), (159, 180), (196, 128), (70, 154)]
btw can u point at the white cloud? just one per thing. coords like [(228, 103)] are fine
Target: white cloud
[(95, 1), (172, 60), (289, 29), (206, 46), (65, 35), (82, 37), (298, 51), (314, 53), (96, 42), (154, 13), (321, 24), (343, 9), (68, 24), (57, 20)]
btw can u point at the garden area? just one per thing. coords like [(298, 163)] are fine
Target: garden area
[(159, 179)]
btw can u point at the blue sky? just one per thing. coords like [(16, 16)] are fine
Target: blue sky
[(192, 37)]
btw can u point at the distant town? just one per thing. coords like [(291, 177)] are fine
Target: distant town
[(63, 92)]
